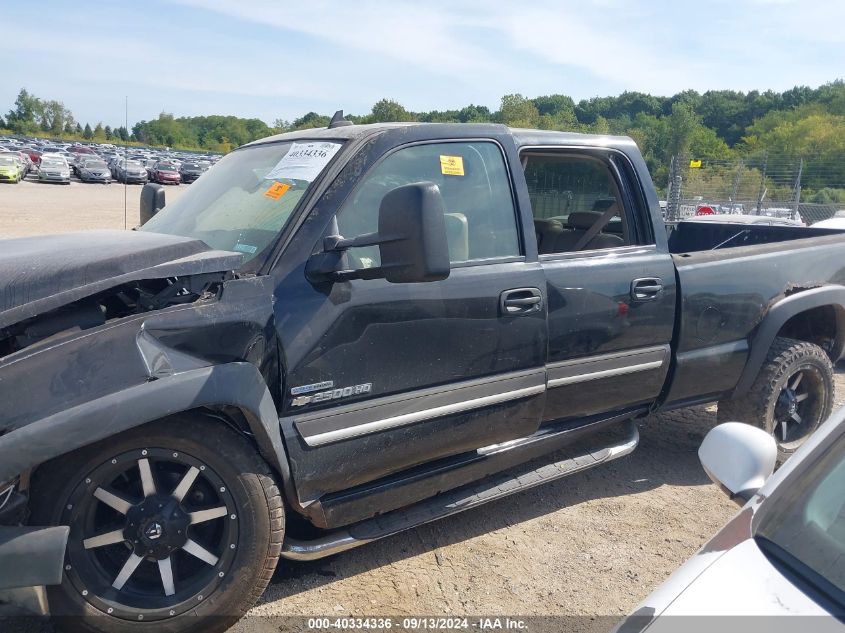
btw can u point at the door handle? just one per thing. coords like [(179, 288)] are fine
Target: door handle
[(646, 288), (520, 301)]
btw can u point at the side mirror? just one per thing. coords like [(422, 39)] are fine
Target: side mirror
[(152, 201), (738, 458), (411, 238), (412, 234)]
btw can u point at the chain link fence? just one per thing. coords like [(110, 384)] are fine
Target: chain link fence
[(757, 185)]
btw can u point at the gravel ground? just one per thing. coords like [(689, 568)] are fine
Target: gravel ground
[(591, 545)]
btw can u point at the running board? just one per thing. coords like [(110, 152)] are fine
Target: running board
[(454, 501)]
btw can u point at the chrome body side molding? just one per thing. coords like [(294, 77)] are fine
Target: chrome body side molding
[(371, 416), (606, 365)]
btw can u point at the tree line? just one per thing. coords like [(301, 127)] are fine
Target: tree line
[(714, 125)]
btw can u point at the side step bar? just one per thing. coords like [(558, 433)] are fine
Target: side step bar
[(454, 501)]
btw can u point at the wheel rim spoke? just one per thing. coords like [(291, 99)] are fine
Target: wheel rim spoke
[(147, 481), (802, 397), (109, 538), (201, 516), (126, 571), (112, 500), (797, 418), (783, 430), (165, 568), (195, 549), (797, 382), (187, 481)]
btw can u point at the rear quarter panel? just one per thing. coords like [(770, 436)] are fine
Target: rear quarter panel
[(724, 296)]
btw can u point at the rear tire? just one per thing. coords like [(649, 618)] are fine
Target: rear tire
[(171, 588), (791, 396)]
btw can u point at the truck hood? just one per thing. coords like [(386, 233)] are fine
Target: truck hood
[(39, 274)]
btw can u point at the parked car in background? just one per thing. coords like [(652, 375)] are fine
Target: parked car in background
[(166, 174), (10, 168), (728, 218), (93, 170), (131, 171), (54, 168), (190, 171), (836, 222), (782, 555)]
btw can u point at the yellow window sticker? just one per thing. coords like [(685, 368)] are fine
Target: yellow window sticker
[(451, 165), (277, 190), (695, 164)]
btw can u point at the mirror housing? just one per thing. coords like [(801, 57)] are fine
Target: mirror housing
[(152, 201), (411, 238), (738, 458)]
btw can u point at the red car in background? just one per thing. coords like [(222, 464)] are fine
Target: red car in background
[(166, 174)]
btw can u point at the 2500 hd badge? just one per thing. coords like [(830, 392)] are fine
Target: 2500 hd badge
[(330, 394)]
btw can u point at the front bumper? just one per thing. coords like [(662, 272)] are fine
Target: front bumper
[(31, 556), (8, 177), (53, 178)]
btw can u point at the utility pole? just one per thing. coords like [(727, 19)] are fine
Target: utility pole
[(796, 190), (737, 179), (762, 191)]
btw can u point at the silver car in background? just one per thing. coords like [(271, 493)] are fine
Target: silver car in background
[(782, 556), (54, 168)]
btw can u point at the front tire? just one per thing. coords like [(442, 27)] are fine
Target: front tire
[(174, 526), (791, 396)]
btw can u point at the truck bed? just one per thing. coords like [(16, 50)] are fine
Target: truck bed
[(725, 292)]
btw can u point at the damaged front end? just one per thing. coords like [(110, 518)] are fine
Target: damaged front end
[(104, 331)]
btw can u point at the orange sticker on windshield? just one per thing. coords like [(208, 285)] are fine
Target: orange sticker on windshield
[(277, 190), (451, 165)]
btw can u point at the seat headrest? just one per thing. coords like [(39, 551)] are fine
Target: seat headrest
[(582, 220)]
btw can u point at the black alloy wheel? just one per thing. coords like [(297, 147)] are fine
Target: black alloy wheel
[(175, 526), (152, 532)]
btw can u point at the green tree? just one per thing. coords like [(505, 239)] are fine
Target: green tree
[(108, 133), (517, 111), (388, 110), (88, 133), (23, 118)]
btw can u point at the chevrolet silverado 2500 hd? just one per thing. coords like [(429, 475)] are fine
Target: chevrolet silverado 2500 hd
[(338, 334)]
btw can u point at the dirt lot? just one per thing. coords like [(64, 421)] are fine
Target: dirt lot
[(31, 207), (591, 545)]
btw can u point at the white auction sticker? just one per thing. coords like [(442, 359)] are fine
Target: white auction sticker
[(304, 161)]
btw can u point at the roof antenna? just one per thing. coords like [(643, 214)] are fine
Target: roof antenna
[(338, 120)]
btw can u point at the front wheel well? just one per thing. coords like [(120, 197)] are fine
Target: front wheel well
[(823, 326)]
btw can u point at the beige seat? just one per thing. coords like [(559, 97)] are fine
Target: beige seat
[(577, 225), (547, 232), (457, 236)]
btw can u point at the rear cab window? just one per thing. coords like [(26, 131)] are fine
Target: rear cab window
[(578, 203)]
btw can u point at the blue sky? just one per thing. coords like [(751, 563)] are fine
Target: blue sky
[(272, 59)]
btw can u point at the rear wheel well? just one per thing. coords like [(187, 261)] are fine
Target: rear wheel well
[(823, 326)]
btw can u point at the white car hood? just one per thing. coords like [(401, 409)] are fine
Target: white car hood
[(740, 582)]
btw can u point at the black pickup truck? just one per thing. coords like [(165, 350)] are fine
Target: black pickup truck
[(338, 334)]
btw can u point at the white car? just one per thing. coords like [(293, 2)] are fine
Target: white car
[(836, 222), (784, 553)]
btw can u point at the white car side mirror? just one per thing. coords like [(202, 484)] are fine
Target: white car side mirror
[(739, 458)]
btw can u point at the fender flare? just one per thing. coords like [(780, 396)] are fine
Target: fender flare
[(776, 318), (238, 384)]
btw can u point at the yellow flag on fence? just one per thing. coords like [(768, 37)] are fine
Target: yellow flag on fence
[(695, 164)]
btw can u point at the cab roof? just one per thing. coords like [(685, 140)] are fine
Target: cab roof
[(522, 137)]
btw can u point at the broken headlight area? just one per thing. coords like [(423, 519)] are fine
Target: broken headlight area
[(122, 301)]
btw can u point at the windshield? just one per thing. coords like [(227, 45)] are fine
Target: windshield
[(94, 164), (53, 161), (809, 521), (7, 160), (245, 200)]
